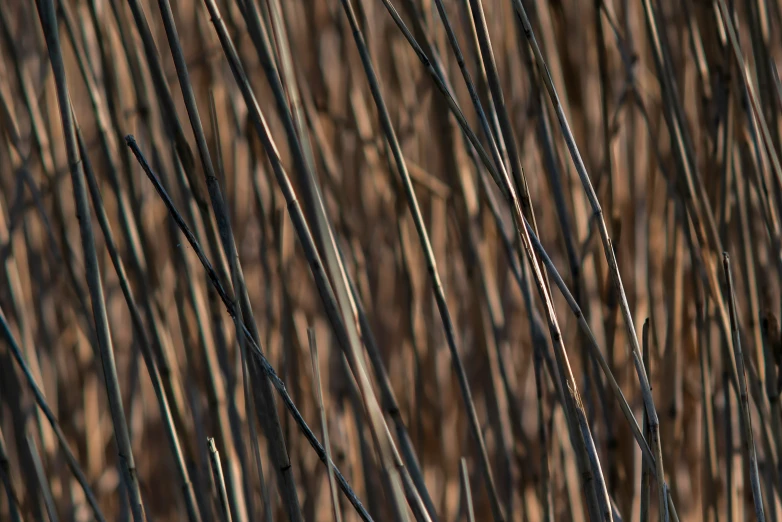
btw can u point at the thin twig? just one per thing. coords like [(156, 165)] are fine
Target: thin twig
[(219, 479), (49, 24), (231, 309), (748, 438), (323, 422)]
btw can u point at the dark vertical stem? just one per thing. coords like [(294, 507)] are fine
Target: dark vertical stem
[(748, 439), (442, 305), (230, 306), (127, 464), (264, 400), (141, 337)]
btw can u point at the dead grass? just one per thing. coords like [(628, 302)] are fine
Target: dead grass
[(521, 258)]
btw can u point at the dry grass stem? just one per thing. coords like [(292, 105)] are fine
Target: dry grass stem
[(426, 229)]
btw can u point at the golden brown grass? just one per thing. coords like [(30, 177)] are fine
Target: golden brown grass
[(520, 258)]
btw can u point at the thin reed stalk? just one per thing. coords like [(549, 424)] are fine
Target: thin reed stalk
[(748, 437), (264, 401), (412, 185), (654, 423), (73, 464), (323, 423), (105, 348), (219, 478), (465, 478), (231, 309), (344, 326), (186, 484), (426, 246)]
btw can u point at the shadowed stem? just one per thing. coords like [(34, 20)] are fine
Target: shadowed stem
[(127, 464), (138, 325), (339, 312), (323, 424), (748, 439), (256, 351), (263, 396), (73, 464)]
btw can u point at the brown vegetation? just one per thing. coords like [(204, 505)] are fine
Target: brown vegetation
[(519, 259)]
